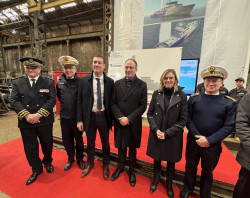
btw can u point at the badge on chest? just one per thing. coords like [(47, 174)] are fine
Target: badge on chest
[(44, 90)]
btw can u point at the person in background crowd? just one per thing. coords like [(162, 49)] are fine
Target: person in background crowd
[(33, 98), (129, 101), (201, 89), (211, 118), (242, 187), (167, 117), (94, 112), (237, 93), (67, 90)]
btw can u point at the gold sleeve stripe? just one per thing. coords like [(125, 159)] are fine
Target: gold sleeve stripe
[(43, 112), (22, 114)]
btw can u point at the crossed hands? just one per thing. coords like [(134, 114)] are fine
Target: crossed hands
[(202, 141), (124, 121), (160, 135), (33, 118)]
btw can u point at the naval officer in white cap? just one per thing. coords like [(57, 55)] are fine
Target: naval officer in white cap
[(67, 90), (211, 118)]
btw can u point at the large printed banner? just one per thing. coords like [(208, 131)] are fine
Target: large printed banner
[(170, 24), (151, 64)]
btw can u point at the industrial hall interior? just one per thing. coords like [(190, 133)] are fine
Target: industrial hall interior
[(124, 98)]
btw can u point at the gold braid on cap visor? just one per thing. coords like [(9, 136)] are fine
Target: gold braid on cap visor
[(69, 63), (31, 63), (214, 74)]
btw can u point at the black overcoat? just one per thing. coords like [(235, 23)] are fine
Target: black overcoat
[(172, 123), (41, 99), (128, 102), (85, 100)]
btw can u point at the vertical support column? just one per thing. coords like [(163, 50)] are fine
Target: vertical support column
[(19, 56), (38, 40), (108, 28), (68, 48), (2, 61)]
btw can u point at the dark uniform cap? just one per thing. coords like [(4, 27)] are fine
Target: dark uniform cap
[(240, 78), (31, 62), (214, 71)]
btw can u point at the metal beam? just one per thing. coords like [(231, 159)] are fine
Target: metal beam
[(61, 38), (33, 6)]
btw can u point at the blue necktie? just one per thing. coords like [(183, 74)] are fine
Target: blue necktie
[(99, 95), (128, 83)]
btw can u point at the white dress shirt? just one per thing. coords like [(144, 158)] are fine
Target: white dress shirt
[(31, 82)]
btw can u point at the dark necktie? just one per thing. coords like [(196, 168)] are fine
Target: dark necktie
[(128, 83), (99, 95), (33, 83)]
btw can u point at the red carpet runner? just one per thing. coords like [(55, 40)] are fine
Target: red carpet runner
[(14, 172), (226, 171)]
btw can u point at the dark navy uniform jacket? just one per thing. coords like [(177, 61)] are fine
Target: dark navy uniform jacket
[(41, 99), (212, 116), (67, 90)]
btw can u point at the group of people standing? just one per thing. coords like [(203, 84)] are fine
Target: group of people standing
[(93, 102)]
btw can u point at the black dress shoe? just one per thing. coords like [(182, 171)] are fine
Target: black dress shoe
[(49, 168), (81, 164), (184, 194), (116, 174), (86, 171), (105, 172), (32, 178), (153, 187), (132, 178), (68, 165)]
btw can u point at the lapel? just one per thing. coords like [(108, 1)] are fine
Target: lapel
[(90, 84), (159, 99), (131, 89), (175, 98)]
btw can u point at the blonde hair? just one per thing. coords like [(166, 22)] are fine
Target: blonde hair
[(163, 76)]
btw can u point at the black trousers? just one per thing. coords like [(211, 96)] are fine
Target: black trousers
[(242, 187), (70, 136), (169, 171), (122, 152), (209, 160), (98, 122), (31, 146)]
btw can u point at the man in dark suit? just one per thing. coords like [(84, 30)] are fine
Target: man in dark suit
[(33, 98), (129, 101), (94, 112), (67, 90)]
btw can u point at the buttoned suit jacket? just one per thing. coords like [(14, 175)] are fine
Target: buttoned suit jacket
[(85, 100), (129, 102), (40, 99)]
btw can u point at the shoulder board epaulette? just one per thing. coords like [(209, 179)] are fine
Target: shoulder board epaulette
[(195, 94), (18, 77), (230, 98)]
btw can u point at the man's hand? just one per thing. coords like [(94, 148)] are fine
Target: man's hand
[(124, 121), (160, 135), (202, 141), (32, 118), (80, 126)]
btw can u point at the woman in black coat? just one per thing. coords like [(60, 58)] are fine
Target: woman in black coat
[(167, 116)]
